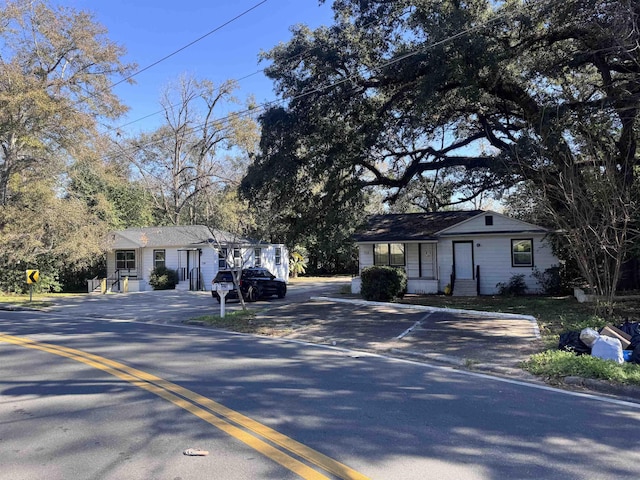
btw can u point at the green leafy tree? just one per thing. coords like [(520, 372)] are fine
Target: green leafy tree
[(41, 230), (103, 184), (56, 70), (56, 67), (305, 198)]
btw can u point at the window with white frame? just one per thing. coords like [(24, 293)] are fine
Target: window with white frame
[(237, 257), (159, 258), (391, 254), (278, 256), (257, 257), (222, 258), (522, 252)]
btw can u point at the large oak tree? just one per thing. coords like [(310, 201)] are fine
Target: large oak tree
[(483, 94)]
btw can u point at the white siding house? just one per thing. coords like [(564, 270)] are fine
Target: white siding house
[(195, 252), (471, 250)]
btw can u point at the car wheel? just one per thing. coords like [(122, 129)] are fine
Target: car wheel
[(252, 294), (282, 291)]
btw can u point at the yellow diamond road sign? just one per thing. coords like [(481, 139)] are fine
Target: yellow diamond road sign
[(33, 276)]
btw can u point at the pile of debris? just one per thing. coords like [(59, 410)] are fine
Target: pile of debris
[(620, 344)]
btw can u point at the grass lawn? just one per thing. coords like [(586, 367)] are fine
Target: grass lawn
[(243, 321), (39, 300), (555, 314)]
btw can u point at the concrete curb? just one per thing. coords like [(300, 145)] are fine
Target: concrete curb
[(423, 308), (601, 386), (16, 308)]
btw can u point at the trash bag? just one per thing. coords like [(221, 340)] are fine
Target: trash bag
[(589, 336), (633, 329), (635, 356), (570, 342), (608, 348)]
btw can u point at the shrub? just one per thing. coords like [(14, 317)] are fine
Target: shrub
[(383, 284), (515, 286), (163, 278), (550, 280)]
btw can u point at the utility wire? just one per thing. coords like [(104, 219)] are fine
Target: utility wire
[(302, 56), (166, 57), (320, 89), (190, 43)]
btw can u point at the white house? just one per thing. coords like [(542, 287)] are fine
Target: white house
[(194, 251), (472, 251)]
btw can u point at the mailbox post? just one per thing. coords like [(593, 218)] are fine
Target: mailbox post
[(222, 288)]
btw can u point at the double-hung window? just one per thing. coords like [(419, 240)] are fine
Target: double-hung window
[(222, 258), (391, 254), (257, 257), (522, 253), (159, 258)]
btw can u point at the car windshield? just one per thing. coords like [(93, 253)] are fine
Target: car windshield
[(224, 277), (257, 273)]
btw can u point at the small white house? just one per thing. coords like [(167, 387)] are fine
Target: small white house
[(194, 251), (471, 251)]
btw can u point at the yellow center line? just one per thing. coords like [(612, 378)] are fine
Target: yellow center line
[(170, 391)]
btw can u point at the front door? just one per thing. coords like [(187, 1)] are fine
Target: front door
[(463, 259)]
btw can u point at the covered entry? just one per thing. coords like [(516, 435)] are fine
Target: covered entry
[(189, 268)]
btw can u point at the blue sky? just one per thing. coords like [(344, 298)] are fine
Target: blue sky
[(152, 29)]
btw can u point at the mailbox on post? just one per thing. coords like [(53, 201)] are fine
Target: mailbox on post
[(222, 288)]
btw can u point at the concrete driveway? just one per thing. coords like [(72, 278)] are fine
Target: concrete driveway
[(457, 337)]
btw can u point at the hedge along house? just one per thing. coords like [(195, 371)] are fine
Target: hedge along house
[(194, 251), (469, 251)]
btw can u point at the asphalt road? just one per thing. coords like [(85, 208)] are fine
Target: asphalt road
[(63, 416)]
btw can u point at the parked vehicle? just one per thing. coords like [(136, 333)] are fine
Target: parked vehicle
[(255, 283)]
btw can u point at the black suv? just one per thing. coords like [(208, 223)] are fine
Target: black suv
[(255, 283)]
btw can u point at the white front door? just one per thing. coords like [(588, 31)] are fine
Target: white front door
[(463, 259)]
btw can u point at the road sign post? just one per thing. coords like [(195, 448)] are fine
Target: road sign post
[(222, 288), (33, 276)]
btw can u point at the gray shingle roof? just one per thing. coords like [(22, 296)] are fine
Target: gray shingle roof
[(404, 227), (180, 236)]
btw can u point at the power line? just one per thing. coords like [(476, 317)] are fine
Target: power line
[(320, 89), (302, 55), (166, 57), (190, 43)]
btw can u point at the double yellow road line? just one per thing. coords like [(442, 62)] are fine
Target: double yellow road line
[(254, 434)]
